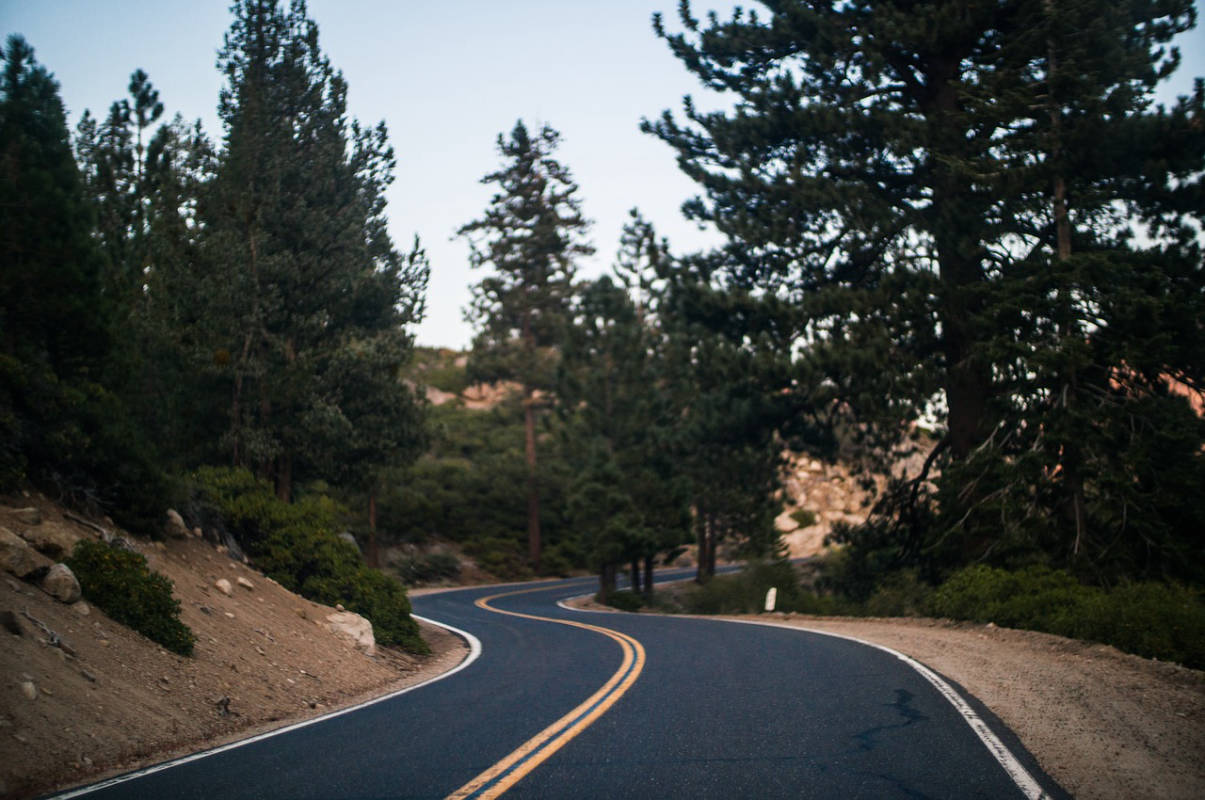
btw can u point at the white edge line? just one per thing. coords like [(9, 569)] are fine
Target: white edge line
[(474, 653), (1016, 771)]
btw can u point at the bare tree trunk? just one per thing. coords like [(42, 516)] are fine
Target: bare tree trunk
[(284, 477), (1062, 225), (374, 557), (606, 582), (648, 579), (712, 536), (533, 493)]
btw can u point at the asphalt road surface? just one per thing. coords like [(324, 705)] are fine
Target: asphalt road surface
[(628, 706)]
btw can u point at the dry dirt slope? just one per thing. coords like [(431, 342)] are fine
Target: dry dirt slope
[(263, 655)]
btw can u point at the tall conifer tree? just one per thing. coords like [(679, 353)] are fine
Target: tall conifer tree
[(306, 282), (923, 203), (531, 235)]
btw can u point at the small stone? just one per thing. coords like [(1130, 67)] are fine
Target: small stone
[(88, 675), (206, 610), (197, 533), (82, 608), (47, 692), (29, 690), (223, 586), (228, 614), (104, 642), (246, 584), (221, 548), (339, 607)]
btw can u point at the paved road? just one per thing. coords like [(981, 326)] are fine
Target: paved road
[(688, 708)]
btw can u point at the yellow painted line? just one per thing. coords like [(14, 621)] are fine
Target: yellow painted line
[(539, 748)]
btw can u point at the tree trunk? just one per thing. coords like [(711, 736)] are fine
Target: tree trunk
[(606, 582), (374, 557), (284, 477), (636, 575), (701, 544), (1070, 456), (648, 579), (711, 545), (533, 493)]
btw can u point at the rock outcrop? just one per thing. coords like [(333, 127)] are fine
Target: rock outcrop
[(18, 557), (355, 628)]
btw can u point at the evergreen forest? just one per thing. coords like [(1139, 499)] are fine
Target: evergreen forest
[(964, 238)]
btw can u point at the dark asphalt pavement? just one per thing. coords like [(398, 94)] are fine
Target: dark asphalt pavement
[(721, 710)]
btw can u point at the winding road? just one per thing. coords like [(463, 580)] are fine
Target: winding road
[(560, 703)]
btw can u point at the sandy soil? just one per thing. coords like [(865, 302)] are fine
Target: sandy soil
[(112, 700), (1104, 724)]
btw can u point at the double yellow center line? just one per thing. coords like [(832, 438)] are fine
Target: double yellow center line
[(539, 748)]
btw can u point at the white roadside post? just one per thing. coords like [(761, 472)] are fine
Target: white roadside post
[(771, 598)]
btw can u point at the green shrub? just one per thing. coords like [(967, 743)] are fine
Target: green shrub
[(805, 517), (119, 583), (1155, 620), (426, 567), (501, 557), (295, 544), (625, 600), (900, 594)]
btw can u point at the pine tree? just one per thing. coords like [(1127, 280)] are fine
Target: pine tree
[(531, 234), (923, 205), (305, 277), (61, 425)]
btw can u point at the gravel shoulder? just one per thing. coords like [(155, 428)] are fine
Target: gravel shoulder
[(1105, 724)]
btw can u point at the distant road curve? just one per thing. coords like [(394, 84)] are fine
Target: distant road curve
[(558, 703)]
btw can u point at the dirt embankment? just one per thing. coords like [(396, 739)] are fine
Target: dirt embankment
[(111, 700)]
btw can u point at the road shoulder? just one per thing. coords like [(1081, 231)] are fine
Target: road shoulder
[(1102, 723)]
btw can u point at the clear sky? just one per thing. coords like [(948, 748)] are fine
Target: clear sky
[(447, 76)]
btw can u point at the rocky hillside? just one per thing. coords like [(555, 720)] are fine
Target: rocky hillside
[(84, 696)]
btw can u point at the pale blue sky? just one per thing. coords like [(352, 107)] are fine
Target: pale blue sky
[(447, 77)]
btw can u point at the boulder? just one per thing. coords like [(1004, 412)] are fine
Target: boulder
[(17, 557), (60, 583), (52, 539), (174, 527), (354, 628), (223, 586)]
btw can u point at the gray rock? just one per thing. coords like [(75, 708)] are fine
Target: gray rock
[(53, 539), (60, 583), (354, 628), (17, 557), (175, 527)]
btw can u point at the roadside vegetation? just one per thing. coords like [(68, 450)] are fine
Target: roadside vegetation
[(932, 227), (1152, 619)]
